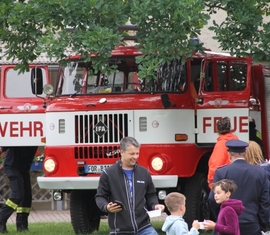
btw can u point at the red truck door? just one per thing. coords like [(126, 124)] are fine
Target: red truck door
[(224, 91), (22, 112)]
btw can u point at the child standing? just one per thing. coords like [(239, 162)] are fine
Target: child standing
[(230, 209), (174, 223)]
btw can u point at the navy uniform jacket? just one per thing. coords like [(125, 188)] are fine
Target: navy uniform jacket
[(252, 190)]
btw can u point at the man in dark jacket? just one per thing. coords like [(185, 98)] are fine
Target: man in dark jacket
[(126, 192), (17, 165), (252, 189)]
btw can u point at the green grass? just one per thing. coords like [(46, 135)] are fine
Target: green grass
[(65, 228)]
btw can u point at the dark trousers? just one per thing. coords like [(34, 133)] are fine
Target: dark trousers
[(246, 229), (250, 229), (21, 196)]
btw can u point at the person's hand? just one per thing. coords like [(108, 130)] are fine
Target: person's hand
[(113, 207), (196, 224), (209, 225), (160, 207)]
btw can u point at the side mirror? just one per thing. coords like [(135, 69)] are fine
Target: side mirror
[(36, 81)]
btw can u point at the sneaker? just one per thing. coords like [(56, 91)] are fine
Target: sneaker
[(21, 228), (3, 228)]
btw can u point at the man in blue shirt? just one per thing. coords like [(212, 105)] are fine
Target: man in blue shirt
[(126, 192)]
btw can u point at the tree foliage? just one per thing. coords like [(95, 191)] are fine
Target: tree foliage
[(40, 26), (166, 29), (245, 31), (32, 27)]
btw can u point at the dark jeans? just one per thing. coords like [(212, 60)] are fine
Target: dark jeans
[(147, 231), (250, 229)]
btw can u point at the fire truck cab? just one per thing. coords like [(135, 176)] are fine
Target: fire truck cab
[(172, 116), (22, 105)]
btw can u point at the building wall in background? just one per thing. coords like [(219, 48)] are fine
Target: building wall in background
[(207, 35)]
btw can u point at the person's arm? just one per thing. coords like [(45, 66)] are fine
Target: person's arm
[(181, 228), (103, 192), (150, 194), (231, 222)]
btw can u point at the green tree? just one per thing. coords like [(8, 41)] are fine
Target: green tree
[(32, 27), (245, 31)]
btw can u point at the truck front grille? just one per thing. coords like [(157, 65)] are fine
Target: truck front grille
[(100, 128), (96, 152)]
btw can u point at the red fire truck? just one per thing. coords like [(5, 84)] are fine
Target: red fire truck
[(172, 116), (22, 105)]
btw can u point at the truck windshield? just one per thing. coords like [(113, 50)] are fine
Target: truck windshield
[(79, 78)]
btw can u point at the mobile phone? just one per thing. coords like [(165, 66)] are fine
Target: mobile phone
[(119, 203)]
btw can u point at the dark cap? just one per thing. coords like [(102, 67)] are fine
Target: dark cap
[(236, 146)]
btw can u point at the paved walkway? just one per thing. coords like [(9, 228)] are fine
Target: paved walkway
[(44, 216), (56, 216)]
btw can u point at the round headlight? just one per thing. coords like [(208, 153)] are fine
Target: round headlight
[(48, 89), (157, 163), (49, 165)]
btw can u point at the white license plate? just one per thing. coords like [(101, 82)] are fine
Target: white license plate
[(95, 169)]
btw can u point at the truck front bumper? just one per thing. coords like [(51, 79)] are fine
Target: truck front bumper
[(79, 183)]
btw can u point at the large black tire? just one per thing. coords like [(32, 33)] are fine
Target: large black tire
[(197, 205), (84, 213)]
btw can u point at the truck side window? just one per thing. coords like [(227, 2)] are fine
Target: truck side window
[(171, 77), (208, 83), (21, 80), (231, 76), (195, 75), (196, 67), (225, 76)]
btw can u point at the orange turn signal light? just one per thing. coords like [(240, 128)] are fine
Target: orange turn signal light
[(181, 137)]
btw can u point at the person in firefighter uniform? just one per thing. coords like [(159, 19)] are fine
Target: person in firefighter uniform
[(255, 135), (17, 165)]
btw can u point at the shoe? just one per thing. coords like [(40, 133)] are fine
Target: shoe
[(22, 222), (22, 229), (3, 228)]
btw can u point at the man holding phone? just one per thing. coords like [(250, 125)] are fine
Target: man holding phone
[(126, 192)]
